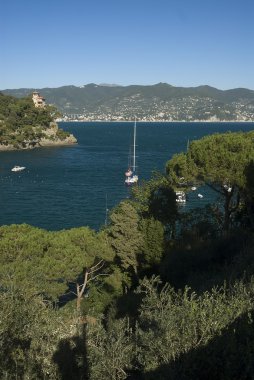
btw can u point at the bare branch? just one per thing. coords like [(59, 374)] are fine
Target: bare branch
[(99, 274), (97, 267)]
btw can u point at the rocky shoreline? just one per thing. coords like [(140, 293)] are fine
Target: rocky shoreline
[(44, 143), (49, 139)]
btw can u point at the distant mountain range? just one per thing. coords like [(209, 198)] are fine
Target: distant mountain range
[(155, 102)]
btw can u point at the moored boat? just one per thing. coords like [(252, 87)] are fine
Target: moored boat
[(130, 174), (17, 168), (180, 197)]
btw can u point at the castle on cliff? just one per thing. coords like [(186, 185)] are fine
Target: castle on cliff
[(38, 100)]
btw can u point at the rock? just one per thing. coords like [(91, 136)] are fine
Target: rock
[(50, 139)]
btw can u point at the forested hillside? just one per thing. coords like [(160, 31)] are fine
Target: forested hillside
[(155, 102), (158, 293), (22, 125)]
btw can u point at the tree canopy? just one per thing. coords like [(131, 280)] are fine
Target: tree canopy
[(219, 161), (185, 324), (48, 261)]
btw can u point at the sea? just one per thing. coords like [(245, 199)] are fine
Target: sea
[(73, 186)]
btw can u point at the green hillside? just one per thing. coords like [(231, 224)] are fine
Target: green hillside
[(22, 125), (103, 102)]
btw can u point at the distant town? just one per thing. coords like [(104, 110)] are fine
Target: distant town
[(189, 109), (160, 102)]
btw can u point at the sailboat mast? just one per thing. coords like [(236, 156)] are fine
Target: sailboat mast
[(131, 177), (134, 148)]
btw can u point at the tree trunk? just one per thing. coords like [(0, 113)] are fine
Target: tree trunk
[(227, 212), (80, 292), (79, 297)]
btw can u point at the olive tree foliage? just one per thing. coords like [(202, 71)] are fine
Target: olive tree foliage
[(40, 342), (29, 334), (175, 323), (110, 351), (219, 161)]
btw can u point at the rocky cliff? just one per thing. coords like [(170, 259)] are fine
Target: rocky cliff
[(52, 136)]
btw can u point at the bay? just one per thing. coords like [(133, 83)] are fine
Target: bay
[(65, 187)]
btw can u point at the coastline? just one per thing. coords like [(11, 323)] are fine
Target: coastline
[(46, 144), (156, 121), (50, 139)]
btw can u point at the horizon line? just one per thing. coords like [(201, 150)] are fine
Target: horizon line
[(121, 85)]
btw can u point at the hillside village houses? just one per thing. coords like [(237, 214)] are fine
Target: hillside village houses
[(38, 100)]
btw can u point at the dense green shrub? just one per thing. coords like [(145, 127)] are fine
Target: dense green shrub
[(30, 331), (173, 325)]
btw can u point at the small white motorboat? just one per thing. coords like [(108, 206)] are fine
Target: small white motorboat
[(228, 188), (200, 195), (180, 197), (17, 168), (193, 188)]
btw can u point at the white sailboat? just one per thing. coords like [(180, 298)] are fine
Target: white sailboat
[(130, 174)]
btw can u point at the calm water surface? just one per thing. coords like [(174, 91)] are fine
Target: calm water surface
[(67, 187)]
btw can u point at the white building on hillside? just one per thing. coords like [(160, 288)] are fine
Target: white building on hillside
[(38, 100)]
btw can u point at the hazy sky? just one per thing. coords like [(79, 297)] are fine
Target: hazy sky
[(51, 43)]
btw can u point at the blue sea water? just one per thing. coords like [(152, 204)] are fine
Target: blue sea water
[(64, 187)]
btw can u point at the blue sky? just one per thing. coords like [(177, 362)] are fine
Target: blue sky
[(51, 43)]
